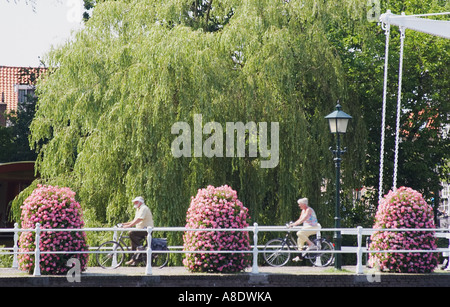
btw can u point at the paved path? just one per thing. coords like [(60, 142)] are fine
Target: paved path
[(182, 271)]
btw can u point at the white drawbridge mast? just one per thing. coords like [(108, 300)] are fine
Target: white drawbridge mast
[(414, 22), (434, 27)]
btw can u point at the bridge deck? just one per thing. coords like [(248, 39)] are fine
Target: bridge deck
[(289, 276)]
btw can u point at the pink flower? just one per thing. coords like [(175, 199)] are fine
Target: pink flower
[(216, 208), (47, 205), (411, 212)]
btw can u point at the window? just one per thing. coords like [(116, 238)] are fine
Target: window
[(445, 195), (23, 91)]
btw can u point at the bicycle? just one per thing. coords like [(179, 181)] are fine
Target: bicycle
[(116, 252), (277, 252)]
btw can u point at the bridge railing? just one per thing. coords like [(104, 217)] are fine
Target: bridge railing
[(255, 249)]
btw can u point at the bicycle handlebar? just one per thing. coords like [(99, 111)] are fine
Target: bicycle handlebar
[(288, 224)]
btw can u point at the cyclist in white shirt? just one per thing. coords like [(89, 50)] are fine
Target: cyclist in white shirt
[(308, 218), (143, 218)]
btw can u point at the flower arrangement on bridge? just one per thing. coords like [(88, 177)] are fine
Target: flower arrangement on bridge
[(216, 208), (404, 208), (53, 208)]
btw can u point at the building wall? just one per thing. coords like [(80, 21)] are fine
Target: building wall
[(445, 197), (9, 76), (15, 81), (14, 177)]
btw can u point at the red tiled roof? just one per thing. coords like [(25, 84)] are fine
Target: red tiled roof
[(426, 120), (10, 76)]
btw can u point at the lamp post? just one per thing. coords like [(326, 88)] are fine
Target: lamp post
[(338, 121)]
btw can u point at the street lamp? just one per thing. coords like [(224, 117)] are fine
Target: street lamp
[(338, 121)]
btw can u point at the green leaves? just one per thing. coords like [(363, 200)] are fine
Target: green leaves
[(106, 111)]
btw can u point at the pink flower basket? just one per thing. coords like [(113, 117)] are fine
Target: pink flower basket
[(216, 208), (53, 208), (404, 208)]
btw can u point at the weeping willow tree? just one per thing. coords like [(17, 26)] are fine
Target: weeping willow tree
[(106, 108)]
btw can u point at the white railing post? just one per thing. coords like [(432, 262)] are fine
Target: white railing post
[(255, 249), (448, 238), (37, 253), (114, 260), (148, 268), (115, 234), (15, 263), (359, 251)]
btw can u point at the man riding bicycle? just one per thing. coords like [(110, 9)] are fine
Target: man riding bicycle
[(143, 218)]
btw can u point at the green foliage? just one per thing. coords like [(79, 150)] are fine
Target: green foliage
[(423, 150), (14, 145), (5, 260), (103, 120), (105, 112)]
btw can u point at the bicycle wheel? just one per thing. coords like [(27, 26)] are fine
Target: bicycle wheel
[(324, 258), (114, 256), (276, 252), (160, 259)]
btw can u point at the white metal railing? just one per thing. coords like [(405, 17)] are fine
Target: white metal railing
[(359, 250)]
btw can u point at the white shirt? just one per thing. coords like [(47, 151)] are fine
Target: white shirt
[(144, 213)]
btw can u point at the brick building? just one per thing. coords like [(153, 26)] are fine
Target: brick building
[(16, 83)]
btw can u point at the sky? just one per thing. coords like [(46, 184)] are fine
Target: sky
[(28, 29)]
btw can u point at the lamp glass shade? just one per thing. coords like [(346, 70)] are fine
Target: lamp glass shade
[(338, 120), (338, 125)]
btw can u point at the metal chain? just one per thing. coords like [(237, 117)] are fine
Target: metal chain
[(399, 98), (386, 28)]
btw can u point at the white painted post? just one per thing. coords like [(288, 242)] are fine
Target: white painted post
[(115, 234), (359, 253), (15, 263), (148, 269), (448, 237), (318, 261), (37, 253), (255, 249), (114, 260)]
